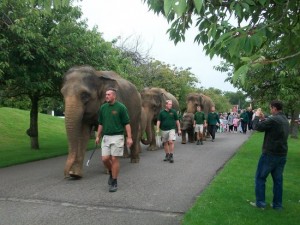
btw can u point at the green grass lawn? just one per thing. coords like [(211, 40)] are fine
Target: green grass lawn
[(15, 143), (226, 199)]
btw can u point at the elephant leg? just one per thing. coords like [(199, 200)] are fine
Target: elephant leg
[(205, 134), (135, 149), (191, 136), (152, 146), (183, 137), (77, 167)]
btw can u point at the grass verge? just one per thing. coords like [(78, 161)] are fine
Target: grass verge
[(226, 199), (15, 143)]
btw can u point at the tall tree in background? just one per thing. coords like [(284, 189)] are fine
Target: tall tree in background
[(38, 46), (238, 31)]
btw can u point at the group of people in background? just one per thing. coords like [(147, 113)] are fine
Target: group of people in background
[(235, 122)]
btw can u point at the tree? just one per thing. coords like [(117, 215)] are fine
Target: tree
[(237, 98), (238, 31), (221, 101), (273, 81), (39, 45)]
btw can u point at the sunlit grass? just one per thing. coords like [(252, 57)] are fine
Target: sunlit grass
[(15, 143), (226, 199)]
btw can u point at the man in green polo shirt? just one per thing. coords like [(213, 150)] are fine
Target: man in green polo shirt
[(167, 121), (213, 121), (113, 121), (199, 124)]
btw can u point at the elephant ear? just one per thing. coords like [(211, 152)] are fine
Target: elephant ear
[(107, 79), (109, 75)]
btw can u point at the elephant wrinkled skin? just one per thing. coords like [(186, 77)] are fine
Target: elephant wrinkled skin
[(153, 101), (84, 92)]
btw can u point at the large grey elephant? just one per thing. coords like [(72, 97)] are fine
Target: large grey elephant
[(84, 92), (153, 101), (196, 99)]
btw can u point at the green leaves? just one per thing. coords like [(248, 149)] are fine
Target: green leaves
[(240, 74), (178, 6), (198, 5)]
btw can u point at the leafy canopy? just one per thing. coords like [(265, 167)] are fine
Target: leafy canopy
[(238, 31)]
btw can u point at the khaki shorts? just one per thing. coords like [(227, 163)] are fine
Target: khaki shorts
[(199, 128), (112, 145), (168, 135)]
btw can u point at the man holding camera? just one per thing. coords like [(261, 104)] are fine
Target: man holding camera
[(274, 152)]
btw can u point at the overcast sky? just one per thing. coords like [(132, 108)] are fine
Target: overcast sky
[(127, 18)]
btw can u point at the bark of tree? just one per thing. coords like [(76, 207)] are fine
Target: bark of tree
[(294, 127), (33, 129)]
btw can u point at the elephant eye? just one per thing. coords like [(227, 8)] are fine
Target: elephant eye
[(85, 96)]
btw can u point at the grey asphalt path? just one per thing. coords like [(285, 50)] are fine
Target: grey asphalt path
[(150, 192)]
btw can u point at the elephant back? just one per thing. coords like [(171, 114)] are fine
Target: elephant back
[(160, 96), (196, 99)]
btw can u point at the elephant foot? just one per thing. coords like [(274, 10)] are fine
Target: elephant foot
[(152, 148), (135, 160), (75, 175)]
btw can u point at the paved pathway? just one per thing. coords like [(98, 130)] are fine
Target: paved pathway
[(150, 192)]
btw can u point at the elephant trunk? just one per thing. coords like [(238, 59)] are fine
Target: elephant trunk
[(148, 132), (73, 123), (190, 107)]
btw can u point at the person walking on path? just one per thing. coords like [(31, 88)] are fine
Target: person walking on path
[(230, 122), (199, 124), (236, 122), (213, 121), (250, 115), (167, 121), (244, 121), (113, 121), (274, 151)]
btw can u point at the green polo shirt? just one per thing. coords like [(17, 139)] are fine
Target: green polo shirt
[(113, 118), (213, 118), (199, 117), (167, 119), (245, 117)]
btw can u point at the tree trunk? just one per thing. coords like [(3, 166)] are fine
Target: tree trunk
[(294, 124), (33, 129)]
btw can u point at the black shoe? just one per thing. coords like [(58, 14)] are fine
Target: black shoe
[(201, 142), (166, 157), (110, 180), (114, 186), (198, 142), (213, 140), (171, 159)]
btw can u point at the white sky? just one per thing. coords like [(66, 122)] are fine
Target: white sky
[(127, 18)]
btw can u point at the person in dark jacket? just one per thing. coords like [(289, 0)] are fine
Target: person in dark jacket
[(213, 121), (244, 121), (274, 151)]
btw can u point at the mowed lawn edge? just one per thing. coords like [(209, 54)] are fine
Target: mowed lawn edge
[(15, 143), (226, 199)]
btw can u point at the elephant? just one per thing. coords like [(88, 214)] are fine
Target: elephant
[(187, 128), (153, 101), (196, 99), (84, 92)]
